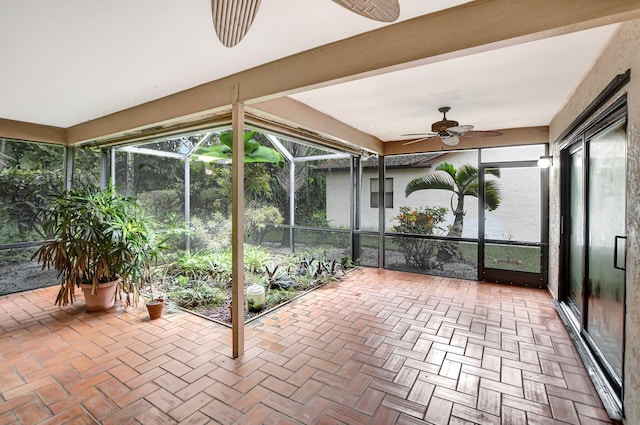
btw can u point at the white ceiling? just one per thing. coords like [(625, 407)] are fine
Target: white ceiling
[(65, 62), (518, 86)]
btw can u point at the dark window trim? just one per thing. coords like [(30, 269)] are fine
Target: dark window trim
[(374, 197)]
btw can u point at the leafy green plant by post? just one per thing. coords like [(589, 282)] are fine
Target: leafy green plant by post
[(98, 236)]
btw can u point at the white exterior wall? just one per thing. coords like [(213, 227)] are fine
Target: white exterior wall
[(338, 199), (506, 222)]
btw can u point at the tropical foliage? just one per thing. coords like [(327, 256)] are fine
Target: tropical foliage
[(253, 151), (463, 182), (97, 236), (201, 281), (22, 193), (419, 252)]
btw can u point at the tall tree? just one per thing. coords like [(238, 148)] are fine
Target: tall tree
[(462, 182)]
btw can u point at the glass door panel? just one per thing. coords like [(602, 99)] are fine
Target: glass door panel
[(512, 248), (576, 230), (606, 228), (517, 216)]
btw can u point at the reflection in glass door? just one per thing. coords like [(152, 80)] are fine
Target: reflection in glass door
[(576, 230), (595, 212), (606, 216)]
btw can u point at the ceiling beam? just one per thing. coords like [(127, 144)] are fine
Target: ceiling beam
[(470, 28), (295, 114), (19, 130), (510, 137)]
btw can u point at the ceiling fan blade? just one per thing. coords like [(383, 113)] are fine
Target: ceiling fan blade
[(233, 18), (378, 10), (482, 134), (459, 129), (411, 142), (418, 134)]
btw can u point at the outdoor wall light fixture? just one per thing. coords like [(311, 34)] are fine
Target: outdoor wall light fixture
[(545, 161)]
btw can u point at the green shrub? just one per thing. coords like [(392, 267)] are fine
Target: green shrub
[(278, 296), (23, 194), (258, 221), (200, 295), (255, 258), (196, 263), (203, 263), (423, 221), (213, 234), (160, 203)]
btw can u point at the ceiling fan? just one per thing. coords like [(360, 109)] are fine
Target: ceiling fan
[(450, 131), (233, 18)]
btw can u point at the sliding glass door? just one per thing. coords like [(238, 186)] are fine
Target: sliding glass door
[(575, 215), (595, 237)]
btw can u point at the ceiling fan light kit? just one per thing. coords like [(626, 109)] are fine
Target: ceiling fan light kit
[(233, 18), (450, 140)]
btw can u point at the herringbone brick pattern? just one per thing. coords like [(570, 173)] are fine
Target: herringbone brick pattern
[(381, 347)]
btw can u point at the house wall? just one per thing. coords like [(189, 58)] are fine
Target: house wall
[(621, 54), (506, 222)]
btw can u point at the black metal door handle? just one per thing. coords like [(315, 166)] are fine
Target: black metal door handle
[(615, 254)]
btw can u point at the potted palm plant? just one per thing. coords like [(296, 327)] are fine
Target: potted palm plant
[(100, 242)]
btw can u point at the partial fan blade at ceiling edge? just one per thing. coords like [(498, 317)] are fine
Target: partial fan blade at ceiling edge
[(482, 134), (232, 19), (411, 142), (378, 10)]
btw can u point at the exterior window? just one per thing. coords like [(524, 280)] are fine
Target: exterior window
[(388, 193)]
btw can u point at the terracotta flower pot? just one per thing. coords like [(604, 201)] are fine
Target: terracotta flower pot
[(154, 307), (103, 299)]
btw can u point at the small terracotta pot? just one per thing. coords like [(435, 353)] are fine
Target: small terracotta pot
[(154, 307), (103, 299)]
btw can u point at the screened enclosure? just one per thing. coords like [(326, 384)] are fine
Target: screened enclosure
[(299, 197)]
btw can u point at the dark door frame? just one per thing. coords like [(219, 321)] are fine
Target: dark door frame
[(607, 384), (520, 278)]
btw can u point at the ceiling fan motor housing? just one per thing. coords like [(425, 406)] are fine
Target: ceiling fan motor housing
[(442, 126)]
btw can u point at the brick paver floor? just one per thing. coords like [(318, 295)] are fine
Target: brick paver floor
[(381, 347)]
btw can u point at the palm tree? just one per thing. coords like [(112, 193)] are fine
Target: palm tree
[(462, 182)]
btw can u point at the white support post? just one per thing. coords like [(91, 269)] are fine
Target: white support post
[(237, 225), (187, 197)]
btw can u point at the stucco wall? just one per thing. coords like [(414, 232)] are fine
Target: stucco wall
[(516, 218), (621, 54)]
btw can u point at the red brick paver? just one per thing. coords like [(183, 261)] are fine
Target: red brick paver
[(381, 347)]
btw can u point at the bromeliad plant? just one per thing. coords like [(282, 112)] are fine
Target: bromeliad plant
[(98, 236)]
